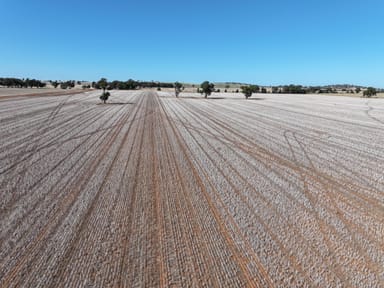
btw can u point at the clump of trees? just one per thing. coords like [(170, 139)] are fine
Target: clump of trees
[(298, 89), (119, 85), (369, 92), (249, 90), (132, 85), (21, 83), (207, 88), (294, 89), (153, 84), (67, 84)]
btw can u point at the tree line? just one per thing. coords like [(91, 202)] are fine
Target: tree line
[(21, 83), (205, 88), (131, 84)]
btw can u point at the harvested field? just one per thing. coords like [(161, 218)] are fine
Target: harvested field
[(30, 92), (154, 191)]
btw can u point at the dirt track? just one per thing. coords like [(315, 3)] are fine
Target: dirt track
[(154, 191)]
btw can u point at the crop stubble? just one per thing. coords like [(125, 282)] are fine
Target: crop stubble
[(154, 191)]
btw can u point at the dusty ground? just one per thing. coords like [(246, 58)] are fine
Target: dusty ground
[(154, 191), (29, 92)]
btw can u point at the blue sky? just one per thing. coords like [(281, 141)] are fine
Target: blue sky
[(263, 42)]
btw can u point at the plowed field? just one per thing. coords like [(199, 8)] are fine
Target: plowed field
[(154, 191)]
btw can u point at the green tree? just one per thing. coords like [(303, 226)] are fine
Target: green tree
[(131, 84), (55, 84), (178, 87), (207, 88), (369, 92), (103, 83), (104, 97), (248, 90)]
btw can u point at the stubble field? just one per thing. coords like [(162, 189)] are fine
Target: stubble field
[(154, 191)]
